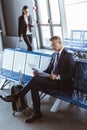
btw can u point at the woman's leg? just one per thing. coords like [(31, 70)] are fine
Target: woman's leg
[(27, 40)]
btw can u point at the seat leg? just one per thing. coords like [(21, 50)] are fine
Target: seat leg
[(4, 83), (56, 105)]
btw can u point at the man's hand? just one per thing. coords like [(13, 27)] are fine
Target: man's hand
[(53, 76), (35, 73)]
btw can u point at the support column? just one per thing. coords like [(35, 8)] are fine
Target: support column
[(1, 46)]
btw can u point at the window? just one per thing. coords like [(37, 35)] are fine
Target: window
[(55, 14), (76, 14), (43, 11), (49, 21)]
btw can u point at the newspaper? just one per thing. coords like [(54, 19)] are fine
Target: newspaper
[(41, 73)]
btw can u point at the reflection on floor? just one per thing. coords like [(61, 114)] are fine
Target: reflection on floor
[(68, 117)]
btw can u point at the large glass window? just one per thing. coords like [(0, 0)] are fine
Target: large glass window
[(49, 20), (55, 14), (76, 14), (57, 31), (46, 35), (43, 11)]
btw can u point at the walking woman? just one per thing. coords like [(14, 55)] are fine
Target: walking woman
[(24, 27)]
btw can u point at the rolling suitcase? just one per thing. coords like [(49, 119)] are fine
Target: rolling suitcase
[(21, 103)]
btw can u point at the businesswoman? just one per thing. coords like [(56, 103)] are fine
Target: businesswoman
[(24, 27)]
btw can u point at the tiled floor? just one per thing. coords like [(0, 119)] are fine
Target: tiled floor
[(67, 118)]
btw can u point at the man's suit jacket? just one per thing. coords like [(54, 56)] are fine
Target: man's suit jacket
[(65, 68), (22, 26)]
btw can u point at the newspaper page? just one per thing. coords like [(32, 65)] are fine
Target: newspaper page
[(41, 73)]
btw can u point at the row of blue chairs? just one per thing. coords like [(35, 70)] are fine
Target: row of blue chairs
[(77, 38), (17, 64)]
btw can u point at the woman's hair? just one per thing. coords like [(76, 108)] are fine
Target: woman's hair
[(24, 8)]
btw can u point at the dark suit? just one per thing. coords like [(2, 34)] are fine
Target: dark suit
[(65, 68), (22, 28)]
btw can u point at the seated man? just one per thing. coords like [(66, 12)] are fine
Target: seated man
[(60, 70)]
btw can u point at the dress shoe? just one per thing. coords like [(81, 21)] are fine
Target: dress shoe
[(34, 117), (7, 98)]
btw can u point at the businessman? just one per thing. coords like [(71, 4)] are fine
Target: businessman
[(60, 70)]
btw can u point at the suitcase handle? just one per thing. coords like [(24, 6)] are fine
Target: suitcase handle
[(18, 46)]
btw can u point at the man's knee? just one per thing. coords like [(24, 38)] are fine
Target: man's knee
[(34, 80)]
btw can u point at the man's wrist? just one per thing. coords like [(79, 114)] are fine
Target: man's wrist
[(58, 77)]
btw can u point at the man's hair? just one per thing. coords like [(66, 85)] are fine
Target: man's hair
[(24, 8), (55, 38)]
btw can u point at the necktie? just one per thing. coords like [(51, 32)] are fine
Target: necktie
[(55, 63)]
